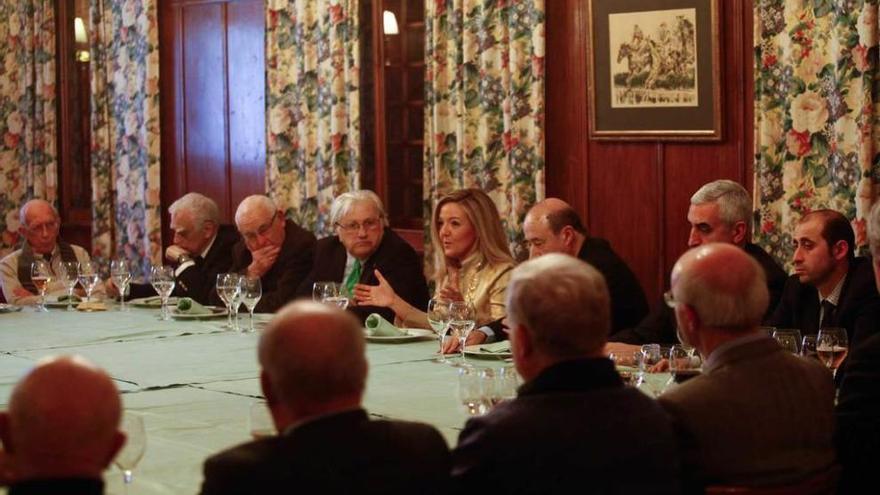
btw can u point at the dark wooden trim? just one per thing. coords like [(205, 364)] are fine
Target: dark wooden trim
[(380, 162)]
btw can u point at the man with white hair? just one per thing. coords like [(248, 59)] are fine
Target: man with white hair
[(273, 249), (313, 373), (757, 415), (362, 245), (573, 422), (61, 430)]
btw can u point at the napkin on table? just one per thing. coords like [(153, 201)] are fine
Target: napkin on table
[(496, 347), (187, 306), (377, 326)]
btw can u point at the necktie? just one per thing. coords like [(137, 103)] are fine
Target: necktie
[(828, 310), (353, 278)]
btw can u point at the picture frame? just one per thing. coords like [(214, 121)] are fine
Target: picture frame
[(654, 70)]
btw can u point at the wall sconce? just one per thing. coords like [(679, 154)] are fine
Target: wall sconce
[(81, 38), (389, 23)]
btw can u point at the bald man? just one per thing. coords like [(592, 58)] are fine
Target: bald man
[(313, 373), (39, 226), (273, 249), (61, 430), (757, 415)]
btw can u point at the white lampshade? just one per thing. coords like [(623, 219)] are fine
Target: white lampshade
[(389, 22), (79, 31)]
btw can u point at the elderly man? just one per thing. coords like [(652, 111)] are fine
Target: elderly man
[(40, 224), (830, 286), (277, 251), (363, 244), (61, 430), (720, 211), (313, 376), (858, 404), (757, 415), (573, 422)]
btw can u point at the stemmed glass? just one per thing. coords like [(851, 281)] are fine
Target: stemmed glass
[(438, 318), (41, 275), (69, 275), (470, 392), (121, 275), (229, 288), (498, 385), (646, 358), (135, 445), (251, 292), (89, 274), (162, 279), (324, 290), (808, 347), (788, 339), (682, 365), (832, 346), (462, 319)]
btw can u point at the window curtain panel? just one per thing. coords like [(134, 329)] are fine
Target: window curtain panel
[(28, 129), (816, 136), (126, 211), (313, 66), (484, 111)]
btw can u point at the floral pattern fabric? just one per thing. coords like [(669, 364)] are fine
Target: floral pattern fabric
[(816, 126), (28, 166), (125, 130), (484, 112), (313, 66)]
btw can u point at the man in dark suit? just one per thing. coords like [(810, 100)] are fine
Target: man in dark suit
[(363, 244), (757, 415), (573, 423), (313, 376), (277, 251), (830, 286), (61, 430), (720, 211)]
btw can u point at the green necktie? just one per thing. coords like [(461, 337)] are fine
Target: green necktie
[(353, 278)]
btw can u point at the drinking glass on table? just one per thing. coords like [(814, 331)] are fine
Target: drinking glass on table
[(135, 445), (69, 275), (832, 346), (120, 273), (498, 385), (462, 319), (648, 356), (438, 318), (41, 275), (229, 288), (251, 292), (788, 338), (89, 274), (162, 279), (682, 365), (808, 347), (324, 290), (470, 391)]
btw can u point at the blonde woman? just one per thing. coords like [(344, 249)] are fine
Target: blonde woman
[(471, 258)]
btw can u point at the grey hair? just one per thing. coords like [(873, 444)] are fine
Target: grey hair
[(255, 202), (874, 230), (734, 202), (343, 204), (202, 208), (22, 213), (564, 303)]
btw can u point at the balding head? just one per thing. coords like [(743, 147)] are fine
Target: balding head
[(39, 225), (63, 420), (552, 226), (260, 222), (313, 362)]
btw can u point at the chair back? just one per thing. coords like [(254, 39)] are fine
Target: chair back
[(824, 483)]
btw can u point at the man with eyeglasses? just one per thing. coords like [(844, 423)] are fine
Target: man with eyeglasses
[(39, 226), (364, 244), (277, 251)]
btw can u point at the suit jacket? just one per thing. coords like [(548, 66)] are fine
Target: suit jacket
[(338, 454), (757, 415), (858, 416), (799, 307), (659, 326), (394, 257), (628, 302), (59, 486), (291, 267), (575, 425)]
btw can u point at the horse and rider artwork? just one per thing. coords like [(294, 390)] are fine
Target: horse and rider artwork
[(656, 59)]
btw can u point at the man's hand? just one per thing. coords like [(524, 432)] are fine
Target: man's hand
[(173, 252), (263, 259)]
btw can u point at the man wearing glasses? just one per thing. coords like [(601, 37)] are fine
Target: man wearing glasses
[(364, 244), (39, 227), (277, 251)]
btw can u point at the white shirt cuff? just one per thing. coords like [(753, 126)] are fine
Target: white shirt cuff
[(183, 266)]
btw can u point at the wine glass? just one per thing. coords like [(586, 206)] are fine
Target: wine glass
[(251, 292), (229, 288), (260, 424), (339, 301), (41, 275), (808, 347), (120, 273), (69, 275), (135, 445), (162, 279), (470, 392), (438, 318), (462, 319), (498, 385), (682, 365), (323, 290), (646, 358), (88, 275), (832, 346), (788, 338)]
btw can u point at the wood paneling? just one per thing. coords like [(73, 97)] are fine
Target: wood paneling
[(636, 194)]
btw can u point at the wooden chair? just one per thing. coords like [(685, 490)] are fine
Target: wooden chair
[(824, 483)]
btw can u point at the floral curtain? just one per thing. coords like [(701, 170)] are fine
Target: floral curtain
[(125, 130), (28, 128), (816, 135), (484, 112), (313, 104)]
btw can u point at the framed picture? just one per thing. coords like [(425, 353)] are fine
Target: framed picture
[(654, 70)]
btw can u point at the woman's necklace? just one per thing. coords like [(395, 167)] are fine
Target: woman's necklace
[(472, 283)]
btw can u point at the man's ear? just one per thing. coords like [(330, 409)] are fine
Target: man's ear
[(740, 233), (521, 340), (689, 322), (840, 250), (568, 235)]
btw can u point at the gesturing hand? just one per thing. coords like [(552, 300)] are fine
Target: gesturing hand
[(381, 295), (450, 290)]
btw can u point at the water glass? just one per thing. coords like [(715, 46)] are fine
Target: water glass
[(323, 290), (69, 275), (162, 279), (788, 338), (251, 292), (470, 391), (135, 445), (462, 319), (229, 288), (89, 274), (120, 273), (41, 275), (808, 347), (438, 318), (498, 385)]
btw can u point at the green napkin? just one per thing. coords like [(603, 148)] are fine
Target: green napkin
[(152, 301), (502, 347), (380, 327), (65, 297), (187, 306)]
